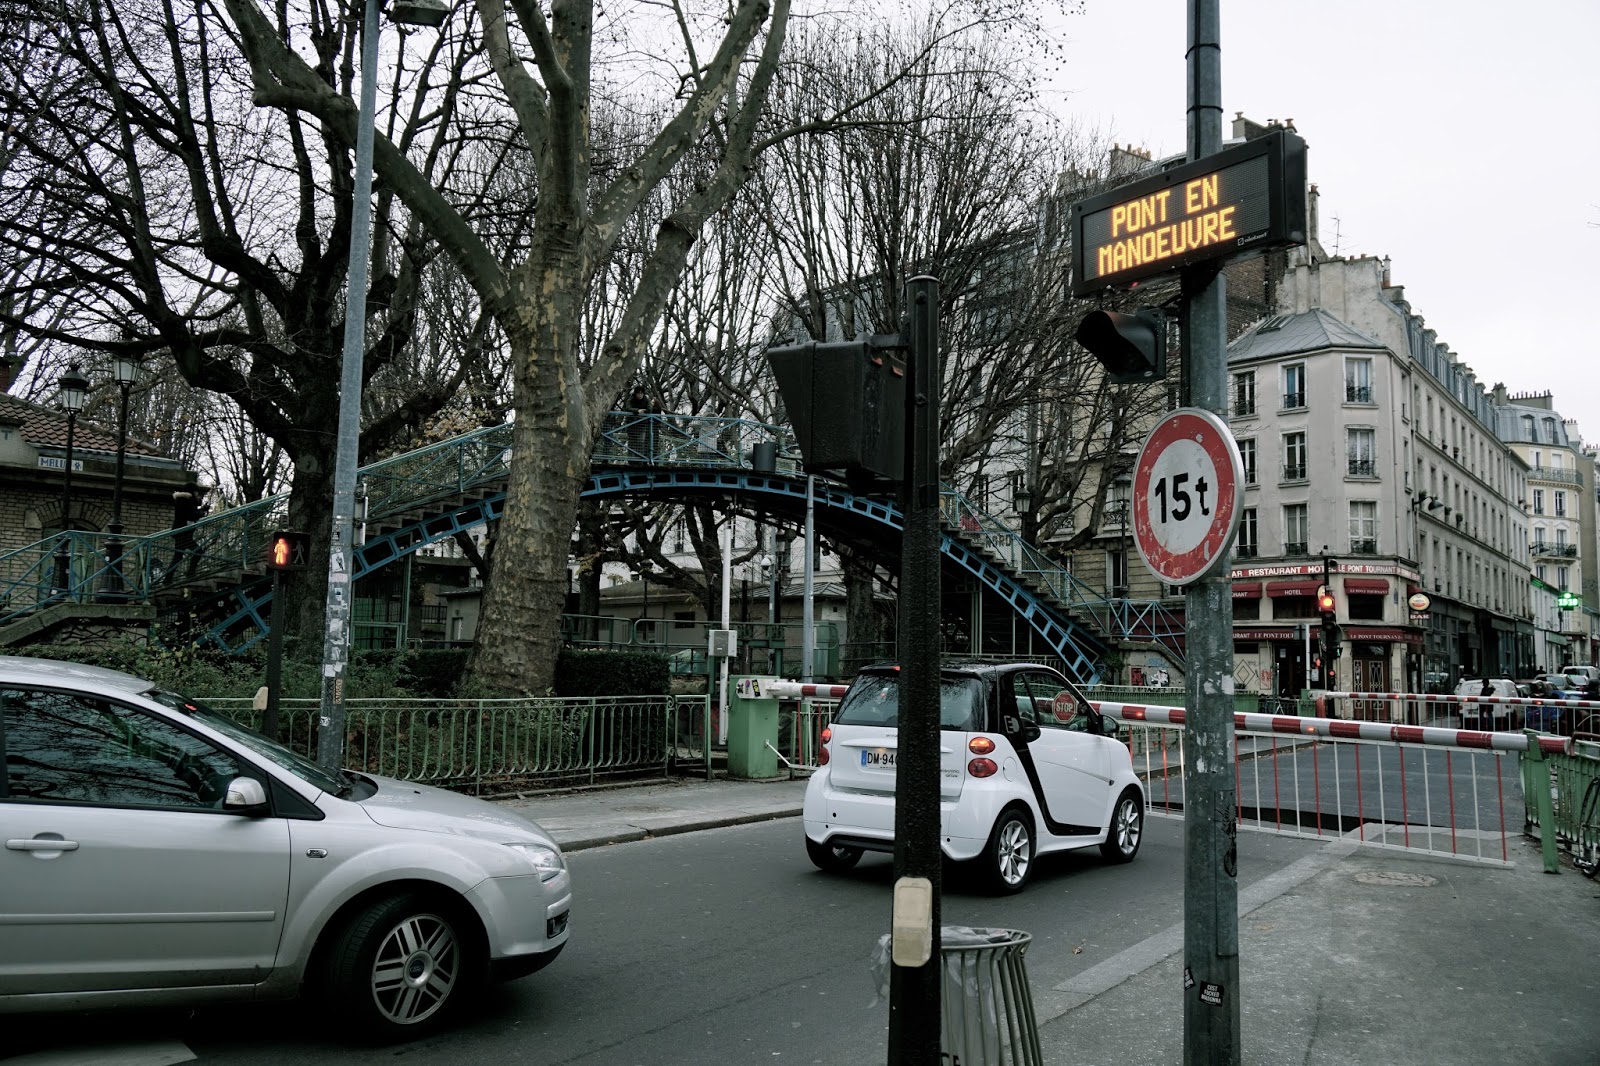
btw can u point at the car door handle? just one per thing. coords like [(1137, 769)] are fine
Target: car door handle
[(37, 844)]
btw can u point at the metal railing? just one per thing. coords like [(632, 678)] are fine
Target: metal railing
[(487, 743), (1432, 790)]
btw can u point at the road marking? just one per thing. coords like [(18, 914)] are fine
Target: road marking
[(144, 1053)]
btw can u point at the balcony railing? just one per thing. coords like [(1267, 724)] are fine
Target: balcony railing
[(1363, 547), (1295, 547), (1293, 400), (1294, 472), (1556, 551), (1363, 468), (1244, 551), (1546, 473), (1358, 394), (1244, 408)]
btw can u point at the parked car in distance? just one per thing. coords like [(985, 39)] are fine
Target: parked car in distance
[(158, 853), (1489, 716), (1026, 767)]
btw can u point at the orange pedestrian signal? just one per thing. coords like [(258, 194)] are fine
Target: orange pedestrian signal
[(289, 550)]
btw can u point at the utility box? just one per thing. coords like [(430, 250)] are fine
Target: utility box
[(846, 401), (752, 725)]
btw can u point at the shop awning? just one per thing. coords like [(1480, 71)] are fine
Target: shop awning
[(1293, 588), (1248, 591), (1366, 584)]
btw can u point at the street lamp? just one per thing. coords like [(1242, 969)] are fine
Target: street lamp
[(1022, 503), (74, 386), (341, 590), (1121, 496), (126, 372)]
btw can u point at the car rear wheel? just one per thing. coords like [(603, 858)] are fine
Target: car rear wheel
[(1126, 830), (400, 968), (832, 858), (1008, 858)]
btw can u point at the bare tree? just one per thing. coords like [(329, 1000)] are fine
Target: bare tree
[(176, 223)]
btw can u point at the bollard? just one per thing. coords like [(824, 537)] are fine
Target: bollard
[(1540, 772)]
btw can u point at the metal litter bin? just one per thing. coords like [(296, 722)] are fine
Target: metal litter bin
[(985, 1004)]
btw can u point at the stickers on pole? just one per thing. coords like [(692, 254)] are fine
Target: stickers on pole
[(1186, 500)]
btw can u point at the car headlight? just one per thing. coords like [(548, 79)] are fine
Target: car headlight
[(546, 859)]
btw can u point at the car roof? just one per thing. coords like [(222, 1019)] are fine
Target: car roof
[(18, 669), (961, 666)]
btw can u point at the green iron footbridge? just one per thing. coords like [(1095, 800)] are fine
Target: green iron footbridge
[(420, 497)]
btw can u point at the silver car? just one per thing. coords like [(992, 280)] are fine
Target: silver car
[(158, 853)]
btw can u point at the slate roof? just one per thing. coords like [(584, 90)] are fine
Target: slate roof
[(44, 427), (1280, 335)]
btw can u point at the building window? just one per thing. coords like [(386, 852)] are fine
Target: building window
[(1294, 386), (1561, 503), (1360, 445), (1562, 573), (1294, 457), (1117, 573), (1247, 453), (1357, 380), (1294, 529), (1244, 393), (1363, 527), (1247, 547), (1538, 501)]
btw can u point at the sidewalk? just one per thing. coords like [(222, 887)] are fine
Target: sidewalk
[(1353, 956)]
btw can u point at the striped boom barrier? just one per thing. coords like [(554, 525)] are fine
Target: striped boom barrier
[(794, 690), (1343, 728), (1433, 697)]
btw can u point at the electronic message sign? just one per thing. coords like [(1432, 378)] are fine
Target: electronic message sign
[(1239, 202)]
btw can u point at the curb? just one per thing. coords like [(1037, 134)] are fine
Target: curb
[(629, 836)]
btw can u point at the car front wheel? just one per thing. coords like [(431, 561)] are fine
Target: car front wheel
[(399, 968), (1008, 858), (832, 858), (1126, 830)]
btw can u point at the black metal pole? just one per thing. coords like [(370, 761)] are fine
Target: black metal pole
[(914, 1009), (63, 557), (114, 587), (1211, 991), (269, 717)]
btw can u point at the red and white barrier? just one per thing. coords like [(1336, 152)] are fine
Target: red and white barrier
[(1342, 728), (1434, 697), (794, 690)]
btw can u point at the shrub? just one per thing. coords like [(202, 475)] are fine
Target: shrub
[(611, 673)]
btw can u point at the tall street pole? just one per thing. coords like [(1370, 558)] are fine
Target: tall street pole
[(914, 1022), (336, 628), (1211, 991)]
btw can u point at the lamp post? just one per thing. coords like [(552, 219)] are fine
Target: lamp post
[(74, 386), (1121, 495), (1022, 503), (126, 372), (341, 589)]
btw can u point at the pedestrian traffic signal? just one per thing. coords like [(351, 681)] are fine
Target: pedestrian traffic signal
[(1132, 348), (289, 550), (1325, 602)]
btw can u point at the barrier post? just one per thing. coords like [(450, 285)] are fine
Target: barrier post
[(1539, 771)]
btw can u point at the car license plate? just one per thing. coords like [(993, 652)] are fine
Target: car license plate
[(880, 757)]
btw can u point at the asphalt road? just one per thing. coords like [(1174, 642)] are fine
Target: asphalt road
[(723, 946)]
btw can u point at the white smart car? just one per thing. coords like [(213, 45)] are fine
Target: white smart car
[(157, 853), (1026, 767)]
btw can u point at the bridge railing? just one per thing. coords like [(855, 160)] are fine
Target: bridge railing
[(480, 745)]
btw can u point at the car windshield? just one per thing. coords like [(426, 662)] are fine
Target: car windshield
[(296, 764), (875, 700)]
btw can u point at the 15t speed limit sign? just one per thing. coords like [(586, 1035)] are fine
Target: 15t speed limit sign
[(1186, 494)]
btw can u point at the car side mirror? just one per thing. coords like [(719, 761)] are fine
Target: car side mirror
[(1029, 732), (245, 795)]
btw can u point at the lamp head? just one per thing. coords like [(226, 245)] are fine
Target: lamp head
[(74, 387)]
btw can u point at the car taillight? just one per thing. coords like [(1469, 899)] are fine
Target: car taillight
[(982, 768), (980, 745), (822, 756)]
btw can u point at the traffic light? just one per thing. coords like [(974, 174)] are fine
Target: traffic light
[(1132, 348), (1325, 602), (289, 550), (847, 403)]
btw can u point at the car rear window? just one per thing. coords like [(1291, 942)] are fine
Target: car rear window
[(875, 700)]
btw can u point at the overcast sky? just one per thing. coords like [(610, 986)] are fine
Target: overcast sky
[(1461, 138)]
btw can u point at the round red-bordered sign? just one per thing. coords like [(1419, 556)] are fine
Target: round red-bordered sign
[(1186, 500)]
